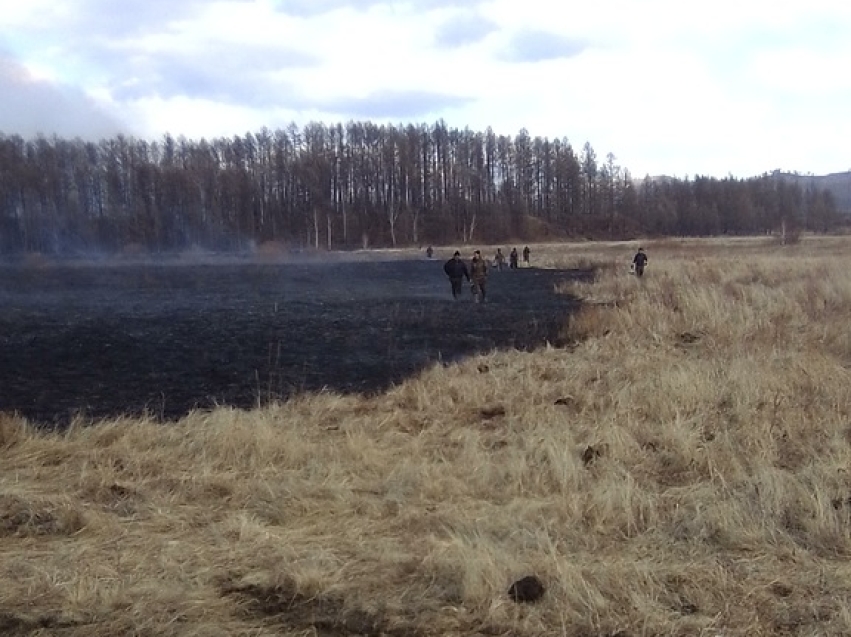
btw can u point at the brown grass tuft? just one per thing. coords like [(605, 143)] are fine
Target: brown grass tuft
[(13, 430)]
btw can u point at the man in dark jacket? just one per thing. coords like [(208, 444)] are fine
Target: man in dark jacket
[(512, 259), (639, 261), (456, 270), (479, 275)]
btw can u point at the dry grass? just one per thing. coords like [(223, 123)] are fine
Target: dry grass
[(683, 469)]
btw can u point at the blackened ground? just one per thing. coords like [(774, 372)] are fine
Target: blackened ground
[(165, 339)]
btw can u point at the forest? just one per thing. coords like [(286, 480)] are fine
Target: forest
[(361, 185)]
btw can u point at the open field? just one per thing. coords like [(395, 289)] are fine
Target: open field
[(681, 466)]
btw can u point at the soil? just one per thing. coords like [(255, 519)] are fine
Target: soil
[(99, 341)]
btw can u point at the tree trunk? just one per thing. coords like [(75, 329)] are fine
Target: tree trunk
[(315, 228), (415, 227)]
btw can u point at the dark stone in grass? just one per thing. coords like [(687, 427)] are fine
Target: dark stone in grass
[(590, 455), (780, 589), (492, 411), (688, 338), (839, 503), (526, 590)]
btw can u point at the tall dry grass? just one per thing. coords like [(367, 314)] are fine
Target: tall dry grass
[(681, 469)]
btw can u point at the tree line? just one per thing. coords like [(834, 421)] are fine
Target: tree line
[(362, 184)]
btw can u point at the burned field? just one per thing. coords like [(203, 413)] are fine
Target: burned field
[(109, 340)]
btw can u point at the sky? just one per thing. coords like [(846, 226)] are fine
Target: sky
[(669, 87)]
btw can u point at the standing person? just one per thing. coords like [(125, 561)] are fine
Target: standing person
[(429, 252), (526, 253), (456, 270), (479, 275), (639, 261), (512, 259), (499, 259)]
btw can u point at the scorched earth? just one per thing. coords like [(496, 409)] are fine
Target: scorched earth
[(97, 340)]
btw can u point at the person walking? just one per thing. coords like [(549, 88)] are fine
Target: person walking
[(639, 261), (512, 259), (479, 276), (526, 253), (457, 271), (499, 259)]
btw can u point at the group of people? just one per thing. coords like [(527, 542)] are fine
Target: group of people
[(477, 273), (513, 257)]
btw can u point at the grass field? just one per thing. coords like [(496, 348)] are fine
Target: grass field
[(684, 468)]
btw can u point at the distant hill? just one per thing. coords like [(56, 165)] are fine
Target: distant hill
[(838, 184)]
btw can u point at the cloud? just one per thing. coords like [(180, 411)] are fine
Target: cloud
[(467, 28), (247, 75), (309, 8), (205, 67), (32, 107), (539, 46), (392, 104), (82, 19)]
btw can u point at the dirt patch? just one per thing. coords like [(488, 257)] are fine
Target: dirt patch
[(13, 624), (103, 341), (326, 615), (114, 498), (24, 518)]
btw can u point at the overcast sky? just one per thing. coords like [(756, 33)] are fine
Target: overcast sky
[(727, 87)]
